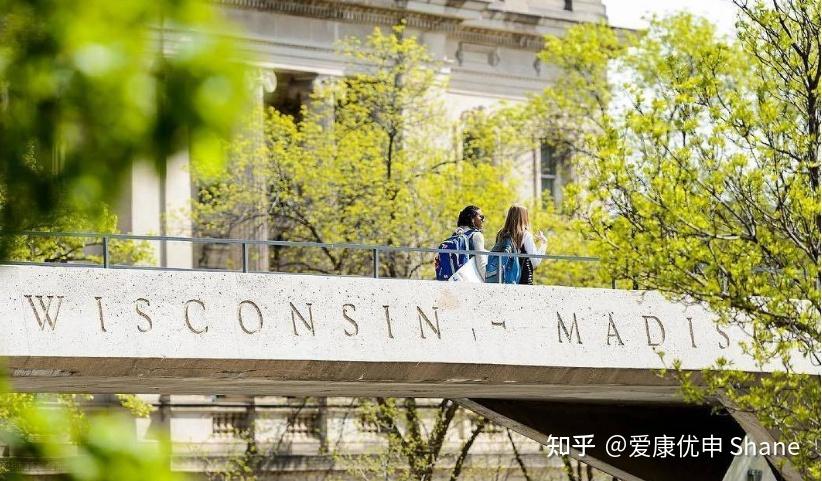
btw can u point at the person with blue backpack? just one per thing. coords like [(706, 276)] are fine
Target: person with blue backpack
[(515, 237), (467, 236)]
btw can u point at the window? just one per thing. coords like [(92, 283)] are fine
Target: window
[(293, 90), (569, 5), (549, 173)]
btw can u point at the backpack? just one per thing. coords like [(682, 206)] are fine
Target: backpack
[(447, 263), (509, 265)]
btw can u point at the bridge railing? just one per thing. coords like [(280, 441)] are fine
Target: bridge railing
[(376, 253)]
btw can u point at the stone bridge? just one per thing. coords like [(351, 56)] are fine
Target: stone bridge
[(543, 360)]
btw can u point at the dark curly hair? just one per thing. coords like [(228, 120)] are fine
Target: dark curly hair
[(466, 216)]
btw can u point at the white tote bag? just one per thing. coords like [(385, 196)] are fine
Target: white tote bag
[(468, 272)]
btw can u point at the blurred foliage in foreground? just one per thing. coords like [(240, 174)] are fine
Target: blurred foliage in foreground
[(87, 88), (51, 433)]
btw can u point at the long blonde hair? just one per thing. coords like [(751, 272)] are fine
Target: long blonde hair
[(516, 223)]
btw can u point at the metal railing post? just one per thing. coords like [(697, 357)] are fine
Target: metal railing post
[(244, 247), (376, 263), (499, 270), (106, 261)]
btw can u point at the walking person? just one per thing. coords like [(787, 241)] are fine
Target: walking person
[(515, 237), (467, 236), (471, 219)]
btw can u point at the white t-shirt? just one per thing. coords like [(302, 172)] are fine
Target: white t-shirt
[(530, 247), (477, 243)]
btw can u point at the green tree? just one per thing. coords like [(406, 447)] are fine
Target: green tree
[(576, 264), (702, 182), (414, 443)]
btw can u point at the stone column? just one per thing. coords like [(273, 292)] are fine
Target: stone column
[(158, 203), (176, 214), (140, 208), (263, 82)]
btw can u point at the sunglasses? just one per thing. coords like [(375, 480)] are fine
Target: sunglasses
[(482, 217)]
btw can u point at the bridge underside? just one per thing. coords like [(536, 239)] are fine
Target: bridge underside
[(333, 378)]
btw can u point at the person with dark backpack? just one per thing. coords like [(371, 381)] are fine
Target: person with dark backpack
[(467, 236)]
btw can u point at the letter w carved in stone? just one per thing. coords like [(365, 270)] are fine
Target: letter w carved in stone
[(46, 308)]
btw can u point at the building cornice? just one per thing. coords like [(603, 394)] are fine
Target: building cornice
[(527, 35), (347, 12), (523, 41)]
